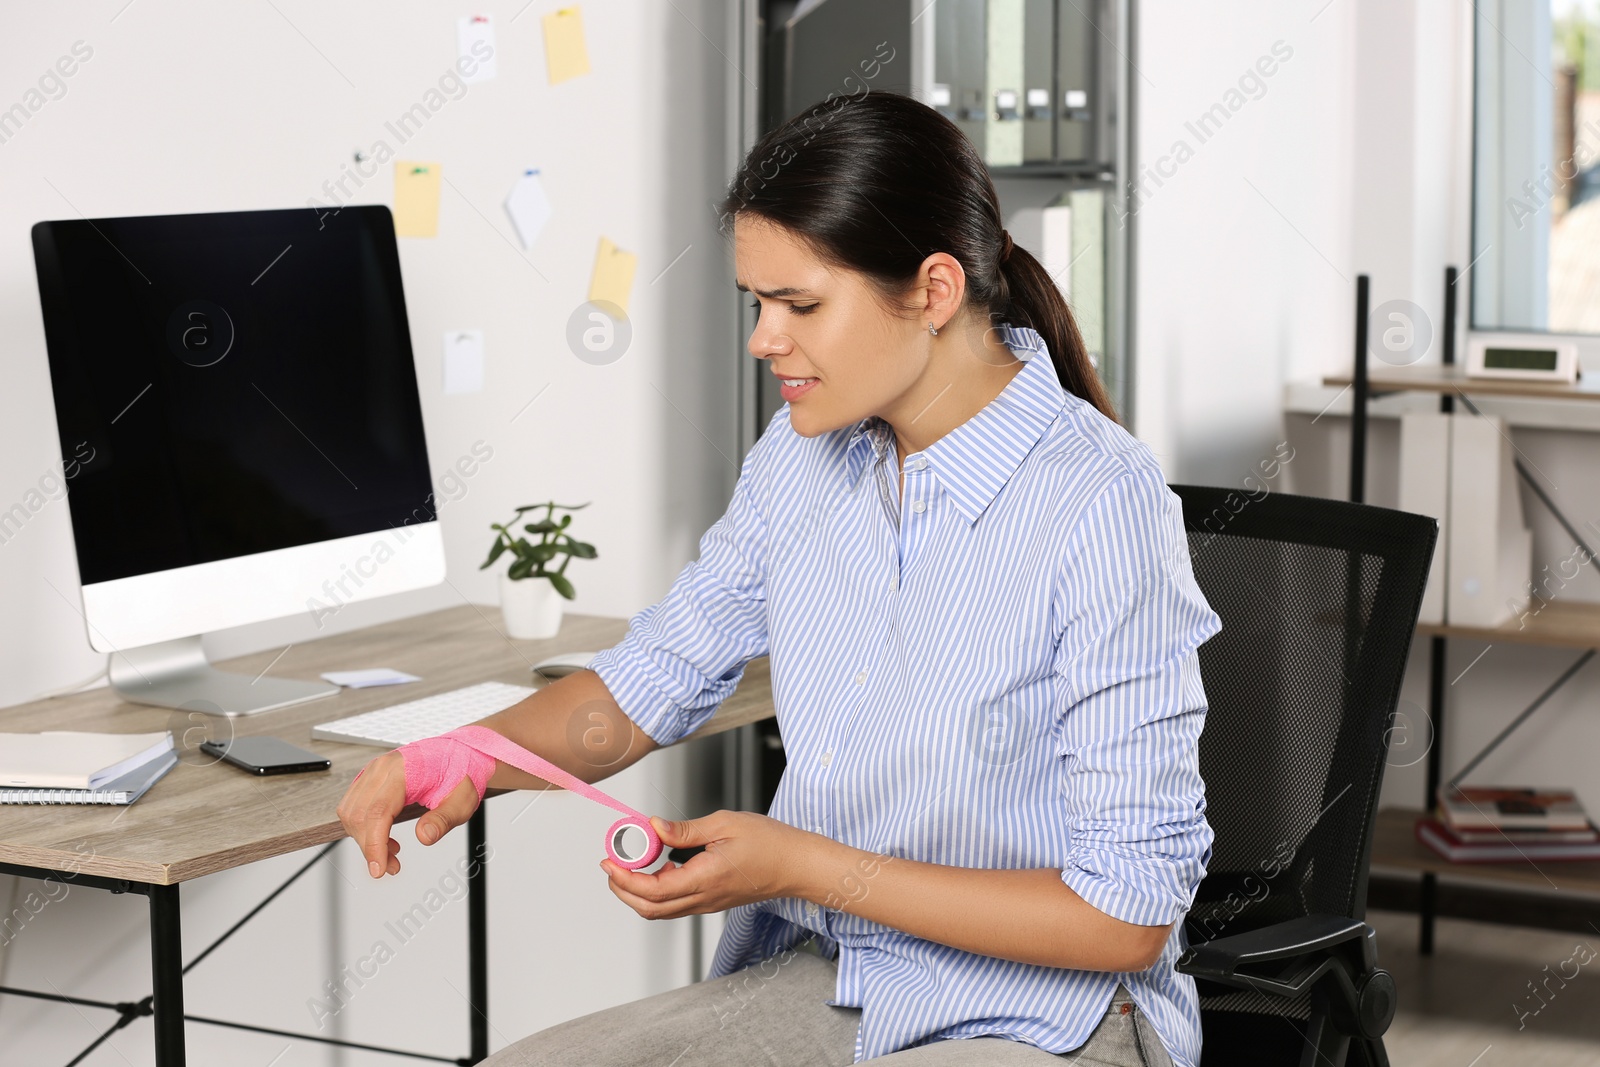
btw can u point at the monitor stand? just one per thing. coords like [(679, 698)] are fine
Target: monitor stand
[(176, 674)]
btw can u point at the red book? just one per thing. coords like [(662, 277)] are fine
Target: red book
[(1441, 839), (1535, 837)]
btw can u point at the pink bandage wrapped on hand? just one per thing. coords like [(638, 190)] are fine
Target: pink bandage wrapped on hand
[(434, 767)]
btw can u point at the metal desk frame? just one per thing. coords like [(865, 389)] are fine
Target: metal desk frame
[(165, 1003)]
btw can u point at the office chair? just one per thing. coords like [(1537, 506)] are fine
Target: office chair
[(1318, 600)]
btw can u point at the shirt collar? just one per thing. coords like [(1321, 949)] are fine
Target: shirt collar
[(975, 460)]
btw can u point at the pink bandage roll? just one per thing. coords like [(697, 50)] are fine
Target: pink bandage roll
[(434, 766)]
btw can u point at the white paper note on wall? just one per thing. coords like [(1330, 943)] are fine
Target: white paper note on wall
[(528, 207), (463, 362), (476, 30)]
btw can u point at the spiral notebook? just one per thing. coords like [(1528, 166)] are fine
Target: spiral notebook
[(123, 790)]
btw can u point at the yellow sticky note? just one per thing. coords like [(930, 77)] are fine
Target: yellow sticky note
[(613, 275), (416, 199), (564, 51)]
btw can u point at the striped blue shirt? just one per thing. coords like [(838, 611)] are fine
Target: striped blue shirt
[(997, 671)]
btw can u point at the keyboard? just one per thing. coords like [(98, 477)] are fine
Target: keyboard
[(401, 724)]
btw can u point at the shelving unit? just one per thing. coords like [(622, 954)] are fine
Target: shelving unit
[(1557, 624)]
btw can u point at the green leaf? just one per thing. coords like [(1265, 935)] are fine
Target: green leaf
[(494, 554), (550, 543)]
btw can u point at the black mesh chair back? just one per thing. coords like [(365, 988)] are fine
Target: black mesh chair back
[(1318, 600)]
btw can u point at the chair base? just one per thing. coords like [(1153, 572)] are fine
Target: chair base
[(1231, 1038)]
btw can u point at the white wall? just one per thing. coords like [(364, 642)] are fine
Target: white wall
[(1355, 160), (1243, 238), (1348, 159), (188, 106)]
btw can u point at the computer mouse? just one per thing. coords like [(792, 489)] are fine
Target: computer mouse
[(564, 664)]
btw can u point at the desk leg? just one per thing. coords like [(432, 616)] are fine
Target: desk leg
[(478, 932), (166, 964)]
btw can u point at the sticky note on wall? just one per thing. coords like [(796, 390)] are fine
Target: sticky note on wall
[(416, 199), (565, 54), (612, 280)]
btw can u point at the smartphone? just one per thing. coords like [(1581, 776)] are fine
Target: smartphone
[(266, 755)]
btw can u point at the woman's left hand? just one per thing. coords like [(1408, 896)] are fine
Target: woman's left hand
[(747, 857)]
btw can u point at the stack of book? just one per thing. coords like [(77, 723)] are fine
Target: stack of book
[(1489, 824), (74, 767)]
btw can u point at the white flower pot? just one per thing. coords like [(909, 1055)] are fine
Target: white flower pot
[(531, 606)]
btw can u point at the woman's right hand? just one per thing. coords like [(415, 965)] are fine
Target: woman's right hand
[(378, 794)]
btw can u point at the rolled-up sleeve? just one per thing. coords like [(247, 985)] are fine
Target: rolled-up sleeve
[(684, 655), (1131, 705)]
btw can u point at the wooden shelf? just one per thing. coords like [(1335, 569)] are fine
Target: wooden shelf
[(1395, 847), (1559, 624), (1438, 378)]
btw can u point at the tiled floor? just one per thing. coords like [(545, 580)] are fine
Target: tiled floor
[(1471, 1005)]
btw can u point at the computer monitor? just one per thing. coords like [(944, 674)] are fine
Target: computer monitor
[(240, 430)]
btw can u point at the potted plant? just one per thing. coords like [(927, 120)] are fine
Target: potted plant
[(532, 608)]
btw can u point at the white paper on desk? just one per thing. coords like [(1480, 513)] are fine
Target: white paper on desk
[(528, 206), (463, 361), (369, 677), (470, 31)]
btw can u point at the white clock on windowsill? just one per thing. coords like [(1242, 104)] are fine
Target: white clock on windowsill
[(1534, 357)]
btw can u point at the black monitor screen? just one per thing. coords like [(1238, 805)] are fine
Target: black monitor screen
[(229, 383)]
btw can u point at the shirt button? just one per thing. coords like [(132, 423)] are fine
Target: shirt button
[(826, 758), (922, 463), (919, 506), (894, 581), (861, 678), (811, 909)]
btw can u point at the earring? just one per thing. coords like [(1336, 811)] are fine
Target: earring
[(932, 331)]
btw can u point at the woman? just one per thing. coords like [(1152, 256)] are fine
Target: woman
[(982, 652)]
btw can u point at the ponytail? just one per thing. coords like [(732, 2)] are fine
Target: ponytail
[(1034, 300), (876, 183)]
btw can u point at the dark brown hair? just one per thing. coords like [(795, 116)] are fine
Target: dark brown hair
[(876, 183)]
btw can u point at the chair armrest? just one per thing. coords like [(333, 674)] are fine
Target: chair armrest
[(1338, 955), (1220, 959)]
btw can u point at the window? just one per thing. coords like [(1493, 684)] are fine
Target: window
[(1536, 160)]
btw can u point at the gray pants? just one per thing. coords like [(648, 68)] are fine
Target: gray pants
[(781, 1021)]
